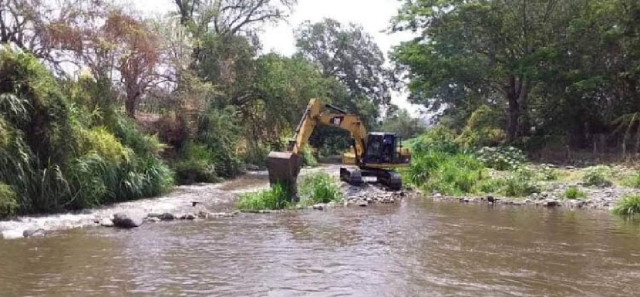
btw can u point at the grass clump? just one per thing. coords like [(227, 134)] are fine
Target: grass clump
[(574, 193), (598, 176), (274, 198), (446, 174), (632, 181), (520, 184), (319, 188), (628, 206), (8, 203)]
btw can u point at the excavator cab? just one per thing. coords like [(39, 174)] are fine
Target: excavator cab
[(381, 148)]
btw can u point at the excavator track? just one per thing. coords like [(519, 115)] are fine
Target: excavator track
[(387, 178)]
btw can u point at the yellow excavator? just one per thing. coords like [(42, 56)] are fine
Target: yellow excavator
[(374, 154)]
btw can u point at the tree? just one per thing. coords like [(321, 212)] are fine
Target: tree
[(352, 57), (487, 51), (50, 30), (403, 124), (136, 54)]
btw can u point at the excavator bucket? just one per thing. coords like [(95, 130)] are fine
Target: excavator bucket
[(284, 168)]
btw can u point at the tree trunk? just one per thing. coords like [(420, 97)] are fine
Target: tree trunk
[(131, 104), (513, 96)]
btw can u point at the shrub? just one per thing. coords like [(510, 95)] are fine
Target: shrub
[(574, 193), (501, 158), (308, 159), (8, 203), (629, 205), (483, 128), (520, 184), (549, 174), (274, 198), (597, 176), (450, 175), (632, 181), (319, 188), (490, 186), (438, 138)]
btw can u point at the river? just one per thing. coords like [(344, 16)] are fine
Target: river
[(417, 247)]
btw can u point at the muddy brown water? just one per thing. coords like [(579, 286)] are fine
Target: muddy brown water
[(414, 248)]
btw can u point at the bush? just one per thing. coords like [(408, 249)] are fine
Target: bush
[(483, 128), (446, 174), (520, 184), (632, 181), (501, 158), (319, 188), (549, 174), (308, 159), (438, 138), (8, 203), (275, 198), (629, 205), (574, 193), (597, 176)]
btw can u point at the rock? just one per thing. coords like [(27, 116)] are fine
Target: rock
[(332, 204), (437, 195), (33, 233), (153, 219), (491, 199), (369, 200), (528, 201), (128, 220), (106, 222), (363, 203), (188, 216), (166, 217), (551, 203), (319, 206), (464, 200), (251, 167)]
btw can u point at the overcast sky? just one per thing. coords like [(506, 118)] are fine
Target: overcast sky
[(372, 15)]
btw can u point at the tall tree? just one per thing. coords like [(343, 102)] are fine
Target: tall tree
[(350, 55), (489, 51)]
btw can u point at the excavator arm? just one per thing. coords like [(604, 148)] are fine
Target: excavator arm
[(284, 167)]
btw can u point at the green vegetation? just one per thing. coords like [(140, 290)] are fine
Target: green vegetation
[(319, 188), (8, 203), (313, 189), (574, 193), (628, 206), (598, 176), (520, 184), (632, 181), (274, 198)]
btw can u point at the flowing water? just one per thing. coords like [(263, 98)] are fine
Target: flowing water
[(414, 248)]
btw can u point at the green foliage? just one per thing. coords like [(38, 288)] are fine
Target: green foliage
[(598, 176), (520, 184), (574, 193), (219, 131), (54, 159), (447, 174), (274, 198), (8, 203), (308, 159), (319, 188), (402, 124), (195, 165), (501, 158), (549, 174), (438, 138), (482, 129), (628, 206)]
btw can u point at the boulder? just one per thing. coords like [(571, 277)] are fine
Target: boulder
[(167, 217), (551, 203), (319, 206), (128, 220), (362, 203), (106, 222), (33, 233), (153, 219), (188, 216)]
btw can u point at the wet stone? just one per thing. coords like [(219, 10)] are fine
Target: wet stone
[(33, 233)]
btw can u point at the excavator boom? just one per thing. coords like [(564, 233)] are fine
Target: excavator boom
[(284, 167)]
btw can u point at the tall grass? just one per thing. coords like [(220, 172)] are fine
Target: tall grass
[(574, 193), (319, 188), (54, 155), (629, 205), (8, 203), (597, 176), (274, 198)]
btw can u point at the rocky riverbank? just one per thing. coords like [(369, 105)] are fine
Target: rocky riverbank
[(554, 195)]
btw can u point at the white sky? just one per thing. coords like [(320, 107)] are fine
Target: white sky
[(373, 15)]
